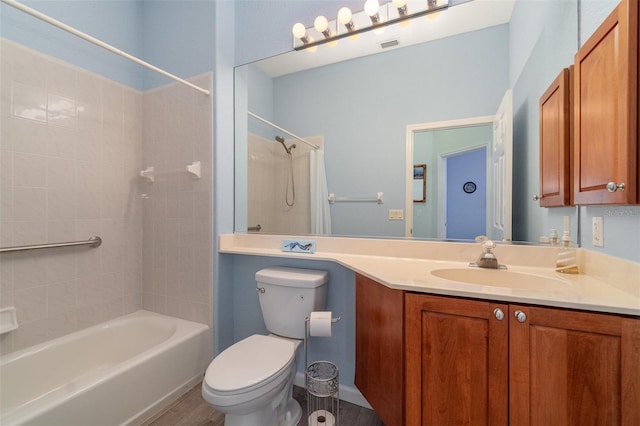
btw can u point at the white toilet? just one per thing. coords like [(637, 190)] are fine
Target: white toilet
[(252, 381)]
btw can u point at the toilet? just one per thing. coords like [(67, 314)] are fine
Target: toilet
[(251, 382)]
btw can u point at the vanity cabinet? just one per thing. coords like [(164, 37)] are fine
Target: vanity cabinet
[(606, 112), (456, 361), (573, 368), (555, 142), (475, 362)]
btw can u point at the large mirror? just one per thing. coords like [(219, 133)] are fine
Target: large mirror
[(365, 113)]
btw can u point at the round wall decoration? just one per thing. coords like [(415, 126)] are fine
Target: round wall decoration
[(469, 187)]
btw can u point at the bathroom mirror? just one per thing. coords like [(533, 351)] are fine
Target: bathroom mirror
[(360, 110)]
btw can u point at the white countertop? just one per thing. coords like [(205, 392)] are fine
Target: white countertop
[(605, 284)]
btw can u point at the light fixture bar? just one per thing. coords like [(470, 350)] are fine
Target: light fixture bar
[(432, 7)]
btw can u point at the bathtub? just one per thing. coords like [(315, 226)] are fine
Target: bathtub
[(120, 372)]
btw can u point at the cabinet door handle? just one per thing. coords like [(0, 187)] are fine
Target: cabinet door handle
[(498, 314), (537, 197), (613, 187), (521, 316)]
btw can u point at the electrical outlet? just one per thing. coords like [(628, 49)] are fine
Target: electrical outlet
[(396, 214), (597, 232)]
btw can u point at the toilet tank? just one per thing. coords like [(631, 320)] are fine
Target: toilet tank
[(288, 295)]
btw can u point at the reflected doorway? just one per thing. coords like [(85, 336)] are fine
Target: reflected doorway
[(465, 177), (426, 219)]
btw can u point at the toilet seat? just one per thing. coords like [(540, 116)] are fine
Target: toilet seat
[(249, 364)]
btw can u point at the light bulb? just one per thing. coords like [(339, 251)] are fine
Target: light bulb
[(371, 7), (401, 5), (321, 24), (299, 30), (344, 15)]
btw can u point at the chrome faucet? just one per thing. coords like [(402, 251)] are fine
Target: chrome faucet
[(487, 259)]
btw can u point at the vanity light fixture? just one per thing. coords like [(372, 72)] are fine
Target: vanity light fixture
[(375, 16)]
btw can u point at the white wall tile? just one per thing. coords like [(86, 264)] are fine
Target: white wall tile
[(29, 204), (61, 173), (27, 232), (28, 136), (30, 102), (31, 304), (29, 170), (61, 298)]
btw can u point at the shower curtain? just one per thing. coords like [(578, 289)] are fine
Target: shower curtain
[(320, 213)]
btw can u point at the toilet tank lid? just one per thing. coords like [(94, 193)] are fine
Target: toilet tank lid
[(292, 277)]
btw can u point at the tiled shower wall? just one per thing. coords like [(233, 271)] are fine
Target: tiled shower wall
[(178, 224), (268, 172), (71, 148)]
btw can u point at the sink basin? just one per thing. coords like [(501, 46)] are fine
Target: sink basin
[(499, 278)]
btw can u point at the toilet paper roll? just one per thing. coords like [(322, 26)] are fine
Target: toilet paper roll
[(320, 323)]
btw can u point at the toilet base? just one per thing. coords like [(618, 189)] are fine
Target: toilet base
[(267, 416), (293, 414)]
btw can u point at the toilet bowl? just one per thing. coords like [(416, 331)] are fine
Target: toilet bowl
[(251, 382)]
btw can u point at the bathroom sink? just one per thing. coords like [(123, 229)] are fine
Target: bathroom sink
[(499, 278)]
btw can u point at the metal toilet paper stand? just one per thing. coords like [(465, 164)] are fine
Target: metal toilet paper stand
[(321, 379)]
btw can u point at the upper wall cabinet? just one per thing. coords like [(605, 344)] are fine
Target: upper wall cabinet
[(606, 111), (555, 142)]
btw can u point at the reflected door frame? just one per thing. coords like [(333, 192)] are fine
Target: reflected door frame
[(412, 129)]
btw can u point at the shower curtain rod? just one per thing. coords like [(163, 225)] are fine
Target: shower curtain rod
[(257, 117), (99, 43)]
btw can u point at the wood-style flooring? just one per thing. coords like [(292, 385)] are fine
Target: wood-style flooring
[(192, 410)]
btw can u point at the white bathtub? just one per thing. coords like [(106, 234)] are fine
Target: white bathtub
[(119, 372)]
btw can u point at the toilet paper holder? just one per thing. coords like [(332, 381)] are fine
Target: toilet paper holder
[(321, 377), (307, 321)]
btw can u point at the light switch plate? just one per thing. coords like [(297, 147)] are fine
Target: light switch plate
[(598, 232), (396, 214)]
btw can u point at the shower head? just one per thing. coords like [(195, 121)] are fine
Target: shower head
[(281, 140)]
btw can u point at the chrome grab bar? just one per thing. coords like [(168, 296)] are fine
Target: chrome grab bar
[(256, 228), (91, 242)]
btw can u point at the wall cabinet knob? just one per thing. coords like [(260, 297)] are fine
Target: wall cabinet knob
[(498, 314), (613, 187), (521, 316)]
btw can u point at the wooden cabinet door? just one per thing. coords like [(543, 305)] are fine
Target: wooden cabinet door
[(605, 110), (573, 368), (456, 362), (555, 142), (380, 348)]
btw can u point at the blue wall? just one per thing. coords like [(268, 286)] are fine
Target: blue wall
[(467, 212), (365, 131), (114, 22)]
